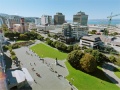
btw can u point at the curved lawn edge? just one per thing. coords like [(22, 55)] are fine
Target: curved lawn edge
[(84, 81)]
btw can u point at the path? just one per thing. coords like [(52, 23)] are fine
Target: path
[(108, 69), (49, 80)]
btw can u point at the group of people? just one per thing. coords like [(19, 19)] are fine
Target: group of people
[(37, 74)]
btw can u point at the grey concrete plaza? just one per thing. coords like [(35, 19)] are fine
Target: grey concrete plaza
[(47, 69)]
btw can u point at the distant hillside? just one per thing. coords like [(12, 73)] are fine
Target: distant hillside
[(30, 19), (27, 19)]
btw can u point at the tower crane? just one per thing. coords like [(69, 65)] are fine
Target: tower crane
[(110, 18), (109, 22)]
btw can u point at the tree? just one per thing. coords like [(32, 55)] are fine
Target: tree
[(89, 50), (97, 55), (84, 47), (69, 48), (39, 37), (115, 33), (5, 28), (74, 58), (49, 42), (93, 32), (76, 47), (12, 53), (105, 32), (23, 37), (112, 59), (88, 63)]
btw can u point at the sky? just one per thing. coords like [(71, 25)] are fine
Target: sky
[(95, 9)]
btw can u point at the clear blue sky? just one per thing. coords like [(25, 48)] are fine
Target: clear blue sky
[(96, 9)]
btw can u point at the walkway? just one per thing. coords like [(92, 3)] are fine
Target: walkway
[(47, 69), (108, 69)]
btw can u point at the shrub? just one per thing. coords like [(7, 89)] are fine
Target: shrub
[(112, 59), (13, 57), (12, 53), (5, 48), (14, 46)]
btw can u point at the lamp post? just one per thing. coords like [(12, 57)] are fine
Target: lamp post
[(15, 38), (72, 79)]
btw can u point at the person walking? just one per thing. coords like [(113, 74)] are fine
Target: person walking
[(35, 81)]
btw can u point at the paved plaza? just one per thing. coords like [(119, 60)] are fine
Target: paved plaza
[(52, 77)]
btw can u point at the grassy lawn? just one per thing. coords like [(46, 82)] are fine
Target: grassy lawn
[(45, 51), (83, 81), (20, 40), (117, 72)]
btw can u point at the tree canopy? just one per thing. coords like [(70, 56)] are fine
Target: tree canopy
[(88, 63)]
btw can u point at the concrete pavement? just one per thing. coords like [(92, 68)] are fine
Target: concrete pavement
[(108, 69), (49, 80)]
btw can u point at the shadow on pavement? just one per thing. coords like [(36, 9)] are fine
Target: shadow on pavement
[(109, 67), (101, 75)]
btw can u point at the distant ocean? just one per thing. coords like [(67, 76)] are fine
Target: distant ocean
[(101, 21)]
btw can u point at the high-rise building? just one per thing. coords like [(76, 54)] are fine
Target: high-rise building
[(46, 20), (59, 18), (80, 18), (37, 21)]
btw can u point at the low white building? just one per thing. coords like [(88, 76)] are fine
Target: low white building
[(90, 41)]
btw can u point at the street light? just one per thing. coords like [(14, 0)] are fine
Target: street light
[(15, 38), (72, 79)]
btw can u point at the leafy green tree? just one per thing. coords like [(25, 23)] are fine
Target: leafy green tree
[(106, 32), (5, 28), (89, 50), (55, 36), (84, 47), (76, 47), (12, 53), (88, 63), (23, 37), (112, 59), (74, 58), (115, 33), (69, 48), (49, 42), (93, 32), (39, 37), (13, 57)]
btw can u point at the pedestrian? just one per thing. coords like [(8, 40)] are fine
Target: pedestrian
[(30, 64), (35, 81), (34, 64)]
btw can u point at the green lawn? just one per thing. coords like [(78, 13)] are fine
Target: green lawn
[(20, 40), (46, 51), (117, 72), (83, 81)]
